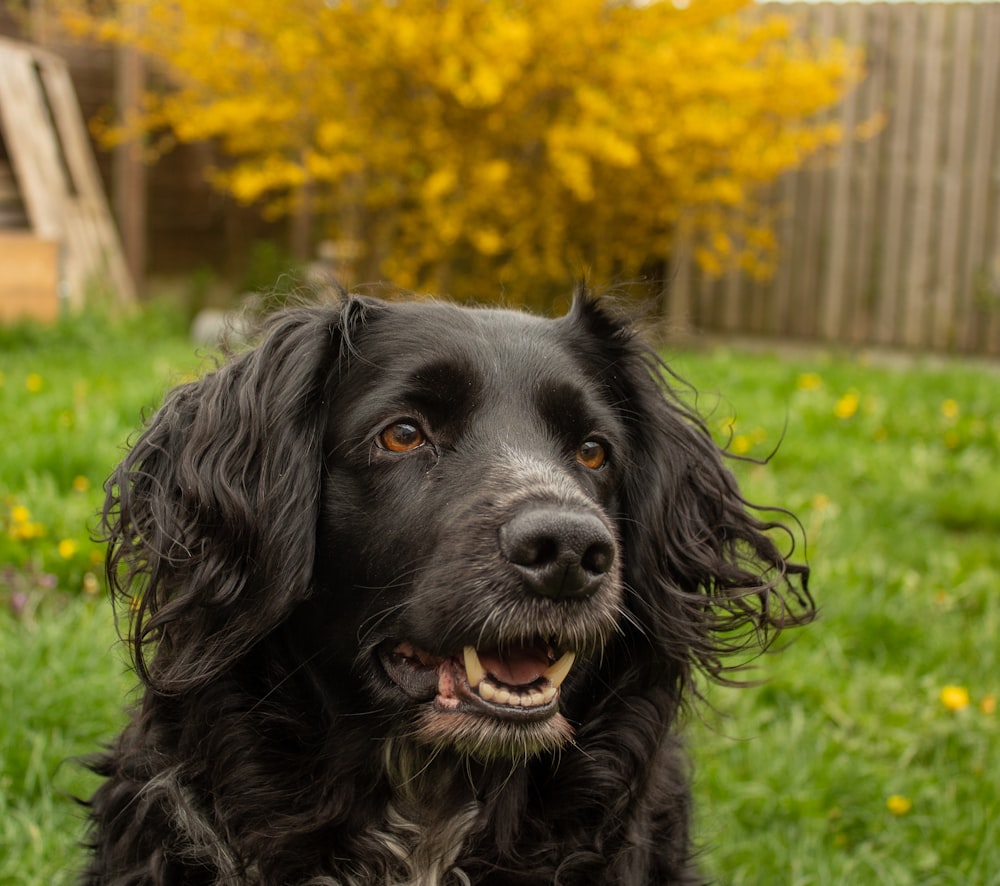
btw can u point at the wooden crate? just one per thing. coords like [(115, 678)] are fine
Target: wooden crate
[(29, 277)]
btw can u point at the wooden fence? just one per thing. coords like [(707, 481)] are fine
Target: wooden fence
[(897, 241)]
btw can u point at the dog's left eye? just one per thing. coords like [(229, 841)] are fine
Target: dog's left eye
[(592, 454), (401, 437)]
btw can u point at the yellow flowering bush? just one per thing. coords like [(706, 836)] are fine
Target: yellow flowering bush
[(462, 144)]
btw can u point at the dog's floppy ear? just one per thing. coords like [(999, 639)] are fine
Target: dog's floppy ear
[(211, 517), (704, 572)]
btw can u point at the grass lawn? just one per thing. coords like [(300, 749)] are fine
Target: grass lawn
[(871, 754)]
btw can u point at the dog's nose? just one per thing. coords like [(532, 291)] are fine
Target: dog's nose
[(560, 553)]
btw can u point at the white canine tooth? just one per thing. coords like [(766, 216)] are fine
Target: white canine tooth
[(473, 667), (488, 691), (557, 672)]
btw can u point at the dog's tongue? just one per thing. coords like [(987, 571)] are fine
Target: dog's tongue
[(516, 667)]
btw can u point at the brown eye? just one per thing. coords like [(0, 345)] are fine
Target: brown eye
[(591, 454), (401, 437)]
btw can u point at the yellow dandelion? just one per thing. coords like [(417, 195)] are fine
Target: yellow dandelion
[(820, 502), (67, 548), (740, 445), (989, 704), (81, 483), (34, 383), (847, 405), (809, 381), (20, 515), (899, 805), (955, 698), (26, 531), (950, 409)]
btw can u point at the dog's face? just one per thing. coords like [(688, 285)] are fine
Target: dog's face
[(469, 527), (473, 461)]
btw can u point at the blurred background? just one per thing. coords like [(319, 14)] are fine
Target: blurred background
[(813, 171)]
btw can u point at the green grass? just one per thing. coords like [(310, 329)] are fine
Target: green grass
[(894, 472)]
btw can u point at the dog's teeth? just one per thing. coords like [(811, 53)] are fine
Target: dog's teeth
[(548, 693), (489, 692), (557, 672), (473, 667)]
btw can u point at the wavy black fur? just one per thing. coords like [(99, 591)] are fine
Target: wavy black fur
[(270, 554)]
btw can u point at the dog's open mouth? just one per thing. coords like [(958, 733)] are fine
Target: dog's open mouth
[(517, 682)]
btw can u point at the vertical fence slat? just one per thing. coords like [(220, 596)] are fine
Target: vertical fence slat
[(900, 108), (867, 207), (835, 292), (781, 303), (925, 182), (984, 144), (943, 303)]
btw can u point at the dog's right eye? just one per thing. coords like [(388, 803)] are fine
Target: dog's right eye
[(401, 437)]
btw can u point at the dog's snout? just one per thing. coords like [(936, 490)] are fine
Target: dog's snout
[(560, 553)]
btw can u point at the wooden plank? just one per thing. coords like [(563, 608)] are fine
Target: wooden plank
[(96, 240), (678, 294), (836, 298), (867, 208), (944, 320), (900, 113), (811, 223), (918, 278), (986, 121), (29, 277), (781, 301), (31, 149)]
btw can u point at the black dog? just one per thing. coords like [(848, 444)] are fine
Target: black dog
[(417, 592)]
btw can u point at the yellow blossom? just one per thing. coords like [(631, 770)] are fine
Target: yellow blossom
[(955, 698), (740, 445), (67, 547), (899, 805), (90, 584), (989, 704), (821, 502), (34, 383), (81, 483), (809, 381), (19, 514), (847, 405), (950, 409)]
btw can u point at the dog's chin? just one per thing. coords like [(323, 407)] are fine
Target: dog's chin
[(486, 738), (486, 704)]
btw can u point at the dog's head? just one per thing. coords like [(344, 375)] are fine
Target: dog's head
[(476, 523)]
